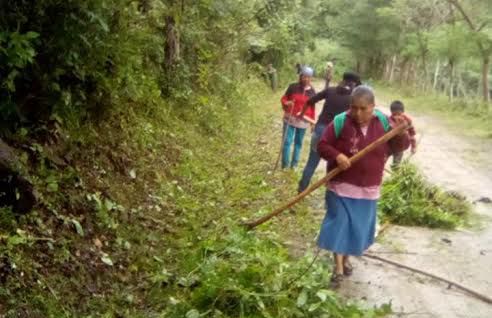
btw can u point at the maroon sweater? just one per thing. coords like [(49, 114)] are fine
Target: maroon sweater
[(368, 171)]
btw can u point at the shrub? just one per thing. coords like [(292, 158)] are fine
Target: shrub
[(408, 199)]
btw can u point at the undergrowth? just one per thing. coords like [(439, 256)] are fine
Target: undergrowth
[(143, 223), (407, 198), (243, 275)]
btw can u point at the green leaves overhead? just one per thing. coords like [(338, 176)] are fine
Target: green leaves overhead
[(88, 58)]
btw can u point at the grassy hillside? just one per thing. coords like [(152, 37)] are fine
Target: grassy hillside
[(142, 220)]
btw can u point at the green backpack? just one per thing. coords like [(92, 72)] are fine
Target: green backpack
[(339, 121)]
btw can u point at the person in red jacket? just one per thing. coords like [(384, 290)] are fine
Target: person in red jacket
[(351, 197), (294, 128), (398, 110)]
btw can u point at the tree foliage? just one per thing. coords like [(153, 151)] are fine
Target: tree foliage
[(80, 59), (441, 44)]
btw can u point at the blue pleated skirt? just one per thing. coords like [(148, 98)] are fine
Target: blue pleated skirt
[(349, 225)]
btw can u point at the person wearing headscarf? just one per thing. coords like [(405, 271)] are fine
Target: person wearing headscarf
[(294, 127)]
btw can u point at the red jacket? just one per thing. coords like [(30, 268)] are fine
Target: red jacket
[(299, 95), (411, 131), (368, 171)]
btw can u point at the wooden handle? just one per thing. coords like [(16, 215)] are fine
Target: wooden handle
[(382, 140)]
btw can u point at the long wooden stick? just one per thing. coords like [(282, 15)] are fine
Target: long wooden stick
[(280, 151), (451, 283), (382, 140)]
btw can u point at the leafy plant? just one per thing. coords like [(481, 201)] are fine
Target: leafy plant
[(242, 275), (7, 220), (408, 199), (105, 208), (16, 52)]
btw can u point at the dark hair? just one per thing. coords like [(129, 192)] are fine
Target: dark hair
[(350, 80), (397, 106), (352, 77)]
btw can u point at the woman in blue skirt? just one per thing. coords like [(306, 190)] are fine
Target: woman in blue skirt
[(351, 197)]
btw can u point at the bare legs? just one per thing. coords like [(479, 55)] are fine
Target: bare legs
[(342, 268), (339, 261)]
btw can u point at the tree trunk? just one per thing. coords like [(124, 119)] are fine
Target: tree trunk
[(436, 75), (387, 66), (144, 6), (425, 76), (403, 71), (486, 57), (424, 65), (172, 43), (424, 84), (413, 74), (363, 66), (392, 70), (381, 62), (451, 81), (485, 78), (171, 54), (462, 87), (409, 72)]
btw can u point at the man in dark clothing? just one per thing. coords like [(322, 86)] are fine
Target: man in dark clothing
[(337, 100)]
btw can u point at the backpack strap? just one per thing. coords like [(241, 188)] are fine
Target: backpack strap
[(339, 121), (383, 119)]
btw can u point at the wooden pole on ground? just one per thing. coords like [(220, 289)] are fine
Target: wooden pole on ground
[(382, 140), (451, 283)]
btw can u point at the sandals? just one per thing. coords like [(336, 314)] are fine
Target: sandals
[(347, 269), (336, 280)]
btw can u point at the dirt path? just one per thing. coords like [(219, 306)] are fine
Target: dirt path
[(464, 256)]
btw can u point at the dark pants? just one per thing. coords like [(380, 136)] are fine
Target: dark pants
[(313, 159), (397, 158)]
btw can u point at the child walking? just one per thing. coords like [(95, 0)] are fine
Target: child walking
[(398, 111)]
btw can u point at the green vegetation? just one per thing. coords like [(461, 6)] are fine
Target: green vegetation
[(135, 123), (141, 127), (89, 60), (408, 199), (147, 226), (242, 275), (441, 46)]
